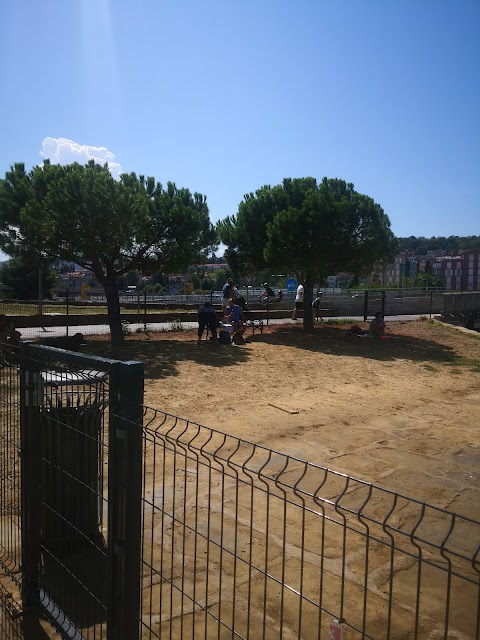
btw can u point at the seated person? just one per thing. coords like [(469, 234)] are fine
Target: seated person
[(268, 295), (8, 336), (234, 315), (8, 333), (279, 297), (207, 317), (377, 325)]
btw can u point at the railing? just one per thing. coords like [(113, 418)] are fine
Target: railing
[(67, 316), (241, 541), (10, 615), (10, 467)]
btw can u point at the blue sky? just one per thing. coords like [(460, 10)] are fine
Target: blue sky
[(223, 97)]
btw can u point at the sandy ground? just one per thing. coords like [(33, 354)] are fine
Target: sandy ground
[(403, 412)]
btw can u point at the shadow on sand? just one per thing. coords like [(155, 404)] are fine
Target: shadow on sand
[(162, 354)]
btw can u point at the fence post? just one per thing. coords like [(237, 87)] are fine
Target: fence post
[(365, 306), (431, 302), (124, 500), (31, 456), (40, 292), (144, 312), (67, 309)]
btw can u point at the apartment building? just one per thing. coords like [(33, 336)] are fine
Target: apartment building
[(449, 269), (471, 270), (456, 273)]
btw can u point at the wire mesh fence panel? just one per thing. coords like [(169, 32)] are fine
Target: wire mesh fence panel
[(11, 627), (68, 314), (10, 527), (65, 414), (64, 518), (240, 541), (73, 498)]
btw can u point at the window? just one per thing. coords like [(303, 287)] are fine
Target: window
[(449, 265), (470, 286)]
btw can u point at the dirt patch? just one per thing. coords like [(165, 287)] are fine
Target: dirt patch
[(402, 412)]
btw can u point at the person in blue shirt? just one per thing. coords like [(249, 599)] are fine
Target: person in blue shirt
[(235, 316)]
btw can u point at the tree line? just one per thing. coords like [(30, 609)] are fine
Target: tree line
[(451, 244), (80, 213)]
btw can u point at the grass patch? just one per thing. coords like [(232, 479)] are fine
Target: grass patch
[(177, 325), (429, 367), (462, 361)]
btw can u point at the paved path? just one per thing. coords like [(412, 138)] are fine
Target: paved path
[(33, 333)]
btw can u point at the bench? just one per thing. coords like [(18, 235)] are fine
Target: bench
[(255, 325)]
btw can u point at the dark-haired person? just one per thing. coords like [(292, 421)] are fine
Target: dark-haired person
[(228, 291), (207, 317), (377, 325), (268, 295)]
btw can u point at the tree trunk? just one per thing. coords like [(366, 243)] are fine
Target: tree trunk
[(307, 305), (113, 310)]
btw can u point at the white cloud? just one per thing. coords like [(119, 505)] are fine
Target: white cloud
[(64, 151)]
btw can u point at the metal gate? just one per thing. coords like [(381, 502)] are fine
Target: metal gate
[(71, 442)]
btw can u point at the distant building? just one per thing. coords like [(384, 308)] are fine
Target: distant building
[(209, 267), (449, 270), (471, 270), (341, 280)]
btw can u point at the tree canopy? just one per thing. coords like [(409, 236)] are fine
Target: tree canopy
[(22, 277), (310, 229), (451, 244), (81, 213)]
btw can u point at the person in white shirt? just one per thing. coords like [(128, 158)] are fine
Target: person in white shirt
[(298, 301)]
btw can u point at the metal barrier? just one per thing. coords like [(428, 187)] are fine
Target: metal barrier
[(10, 513), (68, 314), (11, 627), (70, 504), (461, 303), (241, 541)]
